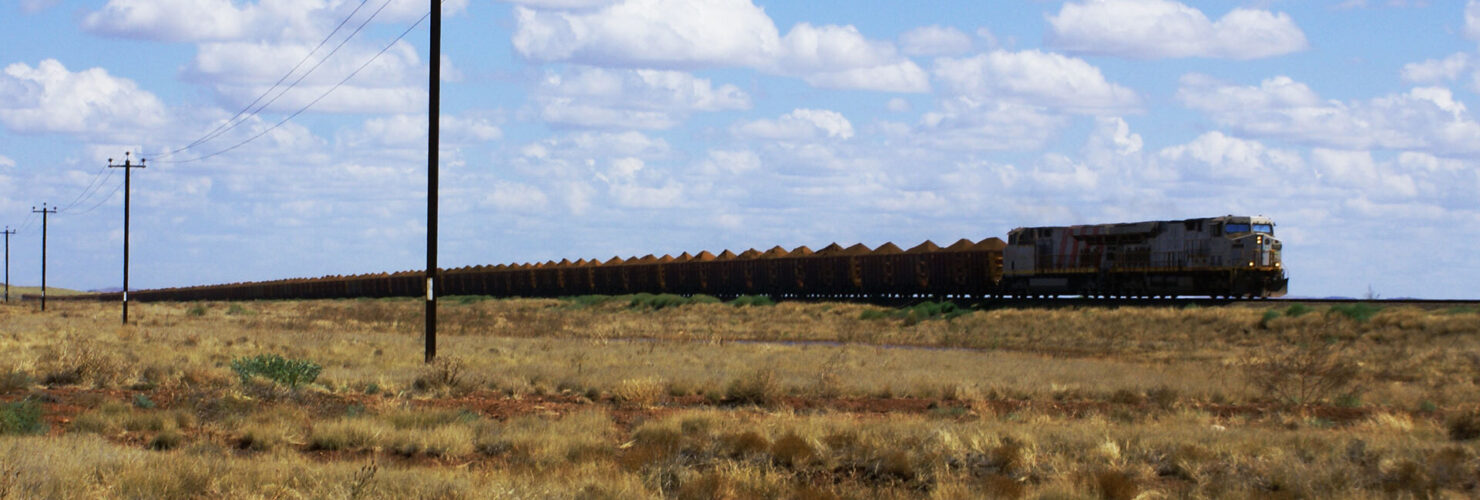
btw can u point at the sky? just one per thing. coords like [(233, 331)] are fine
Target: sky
[(599, 128)]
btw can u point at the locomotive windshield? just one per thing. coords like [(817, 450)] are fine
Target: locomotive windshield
[(1232, 228), (1264, 228)]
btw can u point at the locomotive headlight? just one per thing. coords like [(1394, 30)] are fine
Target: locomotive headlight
[(1258, 240), (1251, 263)]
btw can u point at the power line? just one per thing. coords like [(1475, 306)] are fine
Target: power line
[(89, 187), (102, 201), (312, 103), (290, 86), (212, 134), (87, 194)]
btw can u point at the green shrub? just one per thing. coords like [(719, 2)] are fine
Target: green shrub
[(21, 417), (196, 310), (1359, 312), (663, 300), (1296, 310), (280, 370), (752, 300), (1270, 315), (142, 401), (237, 310)]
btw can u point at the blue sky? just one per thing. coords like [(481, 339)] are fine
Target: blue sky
[(593, 128)]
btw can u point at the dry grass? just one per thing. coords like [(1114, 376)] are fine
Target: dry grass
[(1124, 403)]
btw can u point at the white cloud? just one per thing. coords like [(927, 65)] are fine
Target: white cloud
[(799, 125), (1035, 78), (1217, 157), (935, 40), (410, 131), (730, 162), (653, 99), (971, 125), (897, 105), (49, 98), (1435, 71), (242, 71), (1153, 29), (1472, 20), (5, 161), (1423, 119), (651, 33), (228, 20), (679, 34)]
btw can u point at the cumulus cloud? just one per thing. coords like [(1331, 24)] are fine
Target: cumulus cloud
[(1435, 71), (1472, 20), (1426, 119), (1219, 157), (935, 40), (228, 20), (1154, 29), (652, 99), (410, 131), (966, 124), (799, 125), (5, 161), (50, 98), (1034, 78), (678, 34)]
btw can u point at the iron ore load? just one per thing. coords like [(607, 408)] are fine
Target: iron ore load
[(1229, 256)]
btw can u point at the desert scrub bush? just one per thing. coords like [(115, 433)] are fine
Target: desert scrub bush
[(752, 300), (1359, 312), (1297, 310), (282, 371), (447, 373), (15, 380), (21, 417), (237, 310), (760, 387), (660, 301), (640, 391), (196, 310), (918, 312), (1307, 371)]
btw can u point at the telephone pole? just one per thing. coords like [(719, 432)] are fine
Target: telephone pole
[(127, 167), (44, 212), (8, 231), (434, 107)]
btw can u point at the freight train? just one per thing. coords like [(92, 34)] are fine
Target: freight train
[(1229, 256)]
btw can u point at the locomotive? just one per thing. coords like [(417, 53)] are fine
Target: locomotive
[(1229, 256)]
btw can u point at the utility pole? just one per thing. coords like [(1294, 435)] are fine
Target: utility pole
[(127, 167), (44, 212), (8, 231), (434, 115)]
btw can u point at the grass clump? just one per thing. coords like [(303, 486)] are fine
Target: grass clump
[(21, 417), (196, 310), (1465, 426), (282, 371), (1297, 310)]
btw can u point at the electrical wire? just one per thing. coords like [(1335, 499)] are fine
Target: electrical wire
[(87, 194), (275, 85), (290, 86), (315, 101), (102, 201), (88, 188)]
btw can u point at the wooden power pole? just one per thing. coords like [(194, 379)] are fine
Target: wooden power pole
[(127, 166), (8, 231), (44, 212), (434, 106)]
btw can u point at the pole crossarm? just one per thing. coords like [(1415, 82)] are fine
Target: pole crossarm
[(127, 166)]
